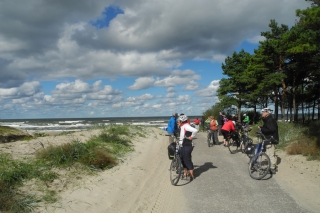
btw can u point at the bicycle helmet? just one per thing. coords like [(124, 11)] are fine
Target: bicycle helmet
[(266, 110), (244, 114), (183, 118)]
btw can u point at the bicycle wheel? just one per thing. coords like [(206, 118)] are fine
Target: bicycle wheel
[(259, 166), (175, 170), (208, 138), (233, 146)]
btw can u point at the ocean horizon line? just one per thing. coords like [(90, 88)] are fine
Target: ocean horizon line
[(55, 118)]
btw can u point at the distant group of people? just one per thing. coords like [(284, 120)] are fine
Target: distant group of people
[(179, 125)]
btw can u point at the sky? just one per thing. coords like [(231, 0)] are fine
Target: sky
[(124, 58)]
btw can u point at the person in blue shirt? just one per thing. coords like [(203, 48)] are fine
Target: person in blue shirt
[(172, 126)]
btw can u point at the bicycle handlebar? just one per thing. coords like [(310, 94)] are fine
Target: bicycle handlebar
[(271, 139)]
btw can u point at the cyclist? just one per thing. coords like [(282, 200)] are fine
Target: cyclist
[(172, 126), (187, 133), (270, 129), (226, 129)]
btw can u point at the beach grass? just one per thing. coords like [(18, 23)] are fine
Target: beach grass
[(100, 152)]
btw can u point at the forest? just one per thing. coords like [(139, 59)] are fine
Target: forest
[(284, 71)]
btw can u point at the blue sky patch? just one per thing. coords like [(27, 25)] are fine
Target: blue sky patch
[(108, 14)]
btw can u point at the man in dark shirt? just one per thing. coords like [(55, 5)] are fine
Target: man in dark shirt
[(270, 129), (220, 122)]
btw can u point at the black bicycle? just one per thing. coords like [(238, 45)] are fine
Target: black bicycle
[(239, 140), (259, 164), (176, 168)]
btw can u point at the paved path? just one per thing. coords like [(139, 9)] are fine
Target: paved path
[(222, 184)]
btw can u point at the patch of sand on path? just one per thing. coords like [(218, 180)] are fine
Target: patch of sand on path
[(300, 179)]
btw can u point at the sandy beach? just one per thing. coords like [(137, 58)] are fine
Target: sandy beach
[(140, 183)]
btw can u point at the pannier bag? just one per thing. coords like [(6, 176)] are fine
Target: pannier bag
[(250, 150), (171, 150), (234, 136)]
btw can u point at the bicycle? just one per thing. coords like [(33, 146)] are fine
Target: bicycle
[(176, 168), (259, 164), (209, 136), (239, 139)]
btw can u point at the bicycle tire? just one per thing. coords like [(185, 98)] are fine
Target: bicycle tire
[(259, 166), (242, 143), (208, 139), (232, 146), (175, 170)]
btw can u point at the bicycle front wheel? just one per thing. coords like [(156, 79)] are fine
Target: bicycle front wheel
[(208, 139), (233, 146), (259, 166), (175, 170)]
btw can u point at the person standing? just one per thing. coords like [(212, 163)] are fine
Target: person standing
[(187, 133), (270, 129), (246, 120), (196, 123), (172, 126), (220, 122), (202, 123), (214, 130), (226, 129)]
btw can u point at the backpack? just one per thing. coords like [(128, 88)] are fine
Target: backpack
[(171, 150)]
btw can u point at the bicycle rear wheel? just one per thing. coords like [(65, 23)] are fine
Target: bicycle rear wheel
[(259, 166), (175, 170), (233, 146)]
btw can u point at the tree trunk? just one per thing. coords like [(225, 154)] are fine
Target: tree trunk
[(276, 105), (284, 90)]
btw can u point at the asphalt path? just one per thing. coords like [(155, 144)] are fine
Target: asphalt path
[(222, 184)]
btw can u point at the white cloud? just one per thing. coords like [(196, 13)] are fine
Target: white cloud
[(178, 77), (256, 39), (26, 89), (142, 83), (210, 90)]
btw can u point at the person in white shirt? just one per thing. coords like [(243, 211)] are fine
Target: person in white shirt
[(187, 133)]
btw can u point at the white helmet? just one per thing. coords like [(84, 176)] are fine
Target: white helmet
[(183, 118), (266, 110), (244, 114)]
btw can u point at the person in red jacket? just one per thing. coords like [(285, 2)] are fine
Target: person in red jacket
[(226, 129)]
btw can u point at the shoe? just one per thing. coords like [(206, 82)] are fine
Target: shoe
[(273, 171)]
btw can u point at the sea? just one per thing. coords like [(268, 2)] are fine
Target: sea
[(77, 124)]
